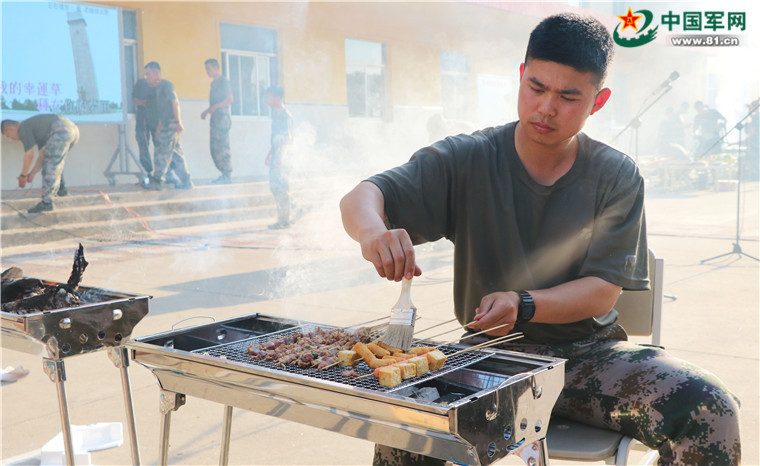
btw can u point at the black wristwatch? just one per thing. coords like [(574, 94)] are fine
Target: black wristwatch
[(526, 308)]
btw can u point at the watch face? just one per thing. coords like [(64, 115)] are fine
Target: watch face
[(527, 307)]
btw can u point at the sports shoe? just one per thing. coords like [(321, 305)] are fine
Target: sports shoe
[(171, 178), (153, 185), (186, 185), (41, 207), (224, 179), (62, 191)]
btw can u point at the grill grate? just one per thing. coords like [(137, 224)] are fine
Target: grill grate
[(237, 352)]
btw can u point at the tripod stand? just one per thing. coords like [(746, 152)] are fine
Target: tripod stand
[(635, 122), (737, 247)]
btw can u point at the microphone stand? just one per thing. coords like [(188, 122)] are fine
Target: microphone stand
[(737, 247), (635, 123)]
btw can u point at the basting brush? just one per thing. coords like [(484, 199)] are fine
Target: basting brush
[(401, 325)]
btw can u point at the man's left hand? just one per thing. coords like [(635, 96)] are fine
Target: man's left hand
[(22, 181), (497, 309), (178, 127)]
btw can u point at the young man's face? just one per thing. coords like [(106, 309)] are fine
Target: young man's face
[(11, 131), (555, 100), (212, 71), (153, 77), (273, 100)]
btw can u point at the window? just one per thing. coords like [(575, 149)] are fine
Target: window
[(455, 81), (249, 61), (365, 78), (129, 41)]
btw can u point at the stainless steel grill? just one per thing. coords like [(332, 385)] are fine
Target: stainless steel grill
[(105, 320), (236, 352), (490, 402)]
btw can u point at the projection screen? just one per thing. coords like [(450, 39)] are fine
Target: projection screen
[(64, 58)]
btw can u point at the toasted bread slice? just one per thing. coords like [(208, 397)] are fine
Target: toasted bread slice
[(421, 364), (389, 376), (348, 358), (408, 370), (436, 359)]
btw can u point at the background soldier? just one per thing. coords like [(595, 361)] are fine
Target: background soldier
[(220, 99), (168, 147), (282, 137), (54, 136), (709, 127), (146, 121)]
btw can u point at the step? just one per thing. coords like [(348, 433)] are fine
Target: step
[(87, 213)]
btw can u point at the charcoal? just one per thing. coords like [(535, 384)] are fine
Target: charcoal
[(13, 290), (30, 295)]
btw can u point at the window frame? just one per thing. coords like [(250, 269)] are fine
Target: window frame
[(128, 43), (462, 84), (365, 65), (225, 55)]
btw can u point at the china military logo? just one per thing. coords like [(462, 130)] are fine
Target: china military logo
[(641, 35)]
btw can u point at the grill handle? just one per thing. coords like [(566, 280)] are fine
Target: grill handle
[(190, 318)]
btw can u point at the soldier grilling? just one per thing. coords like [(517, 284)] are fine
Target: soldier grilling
[(168, 147), (54, 136), (220, 99)]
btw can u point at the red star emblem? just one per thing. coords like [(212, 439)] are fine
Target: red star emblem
[(629, 20)]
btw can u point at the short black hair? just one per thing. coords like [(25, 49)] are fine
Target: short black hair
[(212, 61), (276, 91), (581, 42), (153, 66), (7, 123)]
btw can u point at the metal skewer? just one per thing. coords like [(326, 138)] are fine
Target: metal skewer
[(494, 342), (434, 326)]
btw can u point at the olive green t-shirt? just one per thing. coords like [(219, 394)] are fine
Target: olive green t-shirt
[(35, 131), (511, 233)]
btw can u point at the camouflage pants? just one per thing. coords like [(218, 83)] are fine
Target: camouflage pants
[(169, 155), (143, 135), (279, 183), (63, 136), (220, 141), (668, 404)]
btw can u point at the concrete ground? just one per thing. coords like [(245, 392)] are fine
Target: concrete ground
[(710, 318)]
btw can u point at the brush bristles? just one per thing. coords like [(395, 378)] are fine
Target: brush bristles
[(401, 329)]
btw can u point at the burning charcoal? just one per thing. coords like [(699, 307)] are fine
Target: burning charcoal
[(77, 270), (13, 290), (25, 296)]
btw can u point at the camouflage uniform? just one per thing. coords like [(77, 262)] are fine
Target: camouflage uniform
[(145, 122), (168, 154), (168, 147), (63, 135), (220, 126), (282, 136), (638, 390), (220, 141)]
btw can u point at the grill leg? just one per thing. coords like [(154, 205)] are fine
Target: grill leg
[(224, 456), (120, 358), (168, 402), (56, 371)]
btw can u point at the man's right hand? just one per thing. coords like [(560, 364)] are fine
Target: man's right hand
[(392, 254)]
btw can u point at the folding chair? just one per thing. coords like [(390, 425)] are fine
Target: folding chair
[(640, 314)]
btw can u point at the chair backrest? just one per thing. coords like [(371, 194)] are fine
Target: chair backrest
[(640, 311)]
